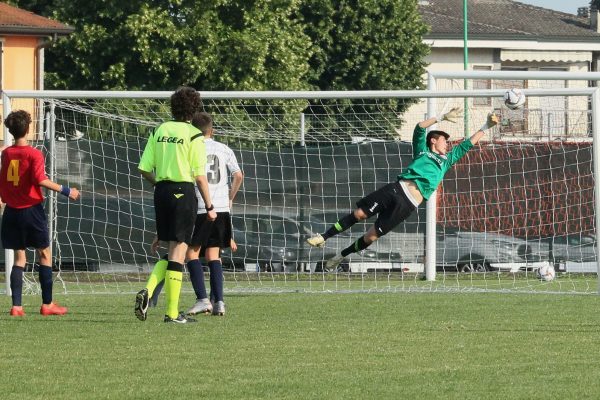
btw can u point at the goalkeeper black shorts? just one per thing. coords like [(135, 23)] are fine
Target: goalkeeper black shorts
[(175, 205), (390, 203)]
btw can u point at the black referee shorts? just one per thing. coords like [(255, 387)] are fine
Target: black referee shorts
[(175, 205), (215, 233), (391, 205)]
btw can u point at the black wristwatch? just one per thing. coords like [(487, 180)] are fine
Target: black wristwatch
[(212, 207)]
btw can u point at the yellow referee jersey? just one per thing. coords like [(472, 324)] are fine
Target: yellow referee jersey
[(175, 152)]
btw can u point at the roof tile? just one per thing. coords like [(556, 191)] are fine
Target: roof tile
[(20, 20), (504, 19)]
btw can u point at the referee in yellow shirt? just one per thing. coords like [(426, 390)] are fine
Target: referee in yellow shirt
[(173, 160)]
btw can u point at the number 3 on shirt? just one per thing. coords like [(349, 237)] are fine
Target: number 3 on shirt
[(213, 175), (13, 172)]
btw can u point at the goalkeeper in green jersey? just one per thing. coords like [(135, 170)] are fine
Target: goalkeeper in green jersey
[(394, 202)]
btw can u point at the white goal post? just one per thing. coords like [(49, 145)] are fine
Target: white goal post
[(524, 198)]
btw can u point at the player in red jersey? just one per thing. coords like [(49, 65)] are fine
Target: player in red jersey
[(24, 222)]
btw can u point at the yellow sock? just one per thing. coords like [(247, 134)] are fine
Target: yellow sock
[(157, 275), (172, 290)]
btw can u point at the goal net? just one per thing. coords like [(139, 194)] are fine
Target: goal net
[(521, 200)]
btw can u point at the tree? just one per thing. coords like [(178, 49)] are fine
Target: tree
[(365, 44), (160, 44), (253, 45), (235, 44), (39, 7)]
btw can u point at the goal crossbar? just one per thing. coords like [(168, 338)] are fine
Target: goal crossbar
[(307, 95)]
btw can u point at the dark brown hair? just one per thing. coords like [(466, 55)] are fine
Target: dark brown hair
[(434, 135), (185, 102), (203, 121), (17, 123)]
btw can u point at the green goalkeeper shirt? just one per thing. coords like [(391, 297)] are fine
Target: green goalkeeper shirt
[(175, 152), (428, 168)]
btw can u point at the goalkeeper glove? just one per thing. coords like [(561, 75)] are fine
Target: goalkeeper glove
[(451, 116), (490, 122)]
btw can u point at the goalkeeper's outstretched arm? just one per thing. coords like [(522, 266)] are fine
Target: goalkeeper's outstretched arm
[(490, 122), (451, 116)]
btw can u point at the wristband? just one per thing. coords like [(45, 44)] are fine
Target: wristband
[(65, 191), (485, 127), (212, 207)]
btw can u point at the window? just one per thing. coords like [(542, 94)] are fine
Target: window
[(480, 84)]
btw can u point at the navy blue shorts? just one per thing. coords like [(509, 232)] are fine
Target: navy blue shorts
[(25, 227)]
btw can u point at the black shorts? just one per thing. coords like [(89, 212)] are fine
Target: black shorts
[(25, 227), (215, 233), (392, 205), (175, 205)]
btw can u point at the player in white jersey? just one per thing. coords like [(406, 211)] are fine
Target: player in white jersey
[(212, 236)]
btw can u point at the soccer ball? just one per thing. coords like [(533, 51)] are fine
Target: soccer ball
[(546, 273), (514, 99)]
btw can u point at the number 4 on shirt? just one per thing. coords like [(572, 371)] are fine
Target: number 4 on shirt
[(12, 174)]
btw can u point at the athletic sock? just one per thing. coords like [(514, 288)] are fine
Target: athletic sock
[(46, 283), (216, 280), (173, 279), (156, 294), (340, 226), (196, 271), (16, 285), (157, 276), (355, 247)]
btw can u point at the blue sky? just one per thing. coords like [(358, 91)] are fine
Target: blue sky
[(569, 6)]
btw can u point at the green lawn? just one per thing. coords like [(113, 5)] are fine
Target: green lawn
[(264, 282), (309, 346)]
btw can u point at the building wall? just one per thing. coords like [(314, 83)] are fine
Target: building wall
[(19, 73), (451, 59), (19, 63)]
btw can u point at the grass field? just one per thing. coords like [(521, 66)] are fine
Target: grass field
[(309, 346), (382, 281)]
